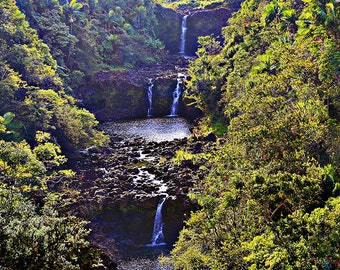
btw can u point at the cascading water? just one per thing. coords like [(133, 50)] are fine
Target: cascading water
[(183, 35), (176, 95), (150, 98), (157, 235)]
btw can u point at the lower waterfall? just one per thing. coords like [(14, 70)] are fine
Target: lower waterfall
[(158, 235), (176, 95), (150, 98)]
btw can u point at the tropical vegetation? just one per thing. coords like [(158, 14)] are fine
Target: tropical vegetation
[(197, 4), (271, 200), (270, 92)]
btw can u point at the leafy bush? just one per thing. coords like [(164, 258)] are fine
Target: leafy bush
[(39, 238), (73, 127)]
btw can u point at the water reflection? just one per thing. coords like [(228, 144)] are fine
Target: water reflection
[(152, 129)]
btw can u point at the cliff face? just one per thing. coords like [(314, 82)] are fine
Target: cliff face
[(120, 95), (117, 95), (204, 23), (113, 96), (199, 23), (169, 28)]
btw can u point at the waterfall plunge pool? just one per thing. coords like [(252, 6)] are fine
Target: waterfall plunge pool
[(133, 233), (151, 129)]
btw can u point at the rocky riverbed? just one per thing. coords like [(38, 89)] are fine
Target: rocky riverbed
[(120, 185)]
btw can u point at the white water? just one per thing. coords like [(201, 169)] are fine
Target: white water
[(176, 95), (150, 98), (144, 176), (158, 235), (183, 35)]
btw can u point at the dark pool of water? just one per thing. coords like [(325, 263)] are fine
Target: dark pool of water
[(151, 129)]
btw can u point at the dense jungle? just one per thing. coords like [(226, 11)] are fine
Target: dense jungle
[(243, 172)]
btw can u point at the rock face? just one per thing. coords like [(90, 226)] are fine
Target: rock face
[(162, 96), (203, 23), (199, 23), (122, 95), (113, 96), (169, 28)]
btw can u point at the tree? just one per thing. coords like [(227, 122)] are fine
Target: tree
[(56, 34), (72, 10), (274, 179), (73, 127), (37, 237), (33, 235)]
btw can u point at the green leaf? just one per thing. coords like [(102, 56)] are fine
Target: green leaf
[(8, 117)]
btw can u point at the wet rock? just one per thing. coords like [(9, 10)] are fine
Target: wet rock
[(133, 171), (100, 193), (211, 137), (123, 177), (169, 27)]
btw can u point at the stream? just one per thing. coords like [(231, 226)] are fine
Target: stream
[(144, 222), (136, 189)]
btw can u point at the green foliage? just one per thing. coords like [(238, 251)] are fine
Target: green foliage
[(183, 4), (25, 53), (219, 126), (85, 35), (269, 201), (48, 152), (26, 67), (10, 127), (24, 166), (58, 115), (32, 240), (316, 243), (17, 162), (8, 117), (33, 234), (183, 155), (56, 34)]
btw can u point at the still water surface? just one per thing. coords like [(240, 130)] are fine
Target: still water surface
[(151, 129)]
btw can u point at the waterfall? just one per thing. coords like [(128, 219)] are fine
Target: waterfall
[(176, 95), (183, 35), (150, 98), (157, 235)]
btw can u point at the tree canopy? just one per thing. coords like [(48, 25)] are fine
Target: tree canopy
[(271, 198), (270, 92), (38, 123)]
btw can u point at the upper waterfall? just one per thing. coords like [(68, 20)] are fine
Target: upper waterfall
[(183, 35)]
